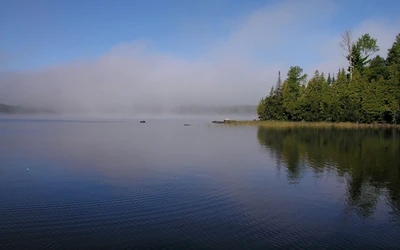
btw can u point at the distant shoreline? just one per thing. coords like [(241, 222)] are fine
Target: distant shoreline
[(7, 109), (286, 124), (234, 110)]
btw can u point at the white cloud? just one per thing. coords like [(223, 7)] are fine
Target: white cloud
[(231, 72)]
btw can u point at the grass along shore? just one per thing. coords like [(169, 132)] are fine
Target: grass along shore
[(287, 124)]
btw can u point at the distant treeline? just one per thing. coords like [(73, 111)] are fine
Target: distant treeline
[(13, 109), (189, 109), (368, 91), (237, 109)]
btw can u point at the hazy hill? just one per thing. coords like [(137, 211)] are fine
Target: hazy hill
[(14, 109)]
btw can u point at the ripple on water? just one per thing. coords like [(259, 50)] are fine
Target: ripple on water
[(221, 191)]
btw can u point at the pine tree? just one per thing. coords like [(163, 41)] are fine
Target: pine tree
[(369, 93), (279, 82), (393, 56), (329, 79), (291, 93)]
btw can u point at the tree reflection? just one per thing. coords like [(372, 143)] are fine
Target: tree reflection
[(368, 159)]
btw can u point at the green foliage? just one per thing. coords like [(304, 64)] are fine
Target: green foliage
[(329, 79), (357, 60), (261, 110), (291, 92), (377, 68), (360, 52), (314, 100), (366, 45), (271, 107), (394, 52), (372, 94)]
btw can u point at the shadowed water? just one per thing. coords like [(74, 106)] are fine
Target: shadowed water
[(117, 184)]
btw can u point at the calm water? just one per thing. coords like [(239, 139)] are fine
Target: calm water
[(118, 184)]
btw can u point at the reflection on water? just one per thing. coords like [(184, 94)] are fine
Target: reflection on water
[(161, 185), (368, 160)]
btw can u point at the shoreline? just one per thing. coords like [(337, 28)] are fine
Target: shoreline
[(287, 124)]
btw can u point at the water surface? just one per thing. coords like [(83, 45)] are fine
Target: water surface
[(116, 183)]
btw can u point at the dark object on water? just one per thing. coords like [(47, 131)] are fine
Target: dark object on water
[(217, 121), (142, 121), (186, 124)]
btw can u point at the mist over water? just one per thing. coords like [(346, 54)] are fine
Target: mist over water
[(119, 85)]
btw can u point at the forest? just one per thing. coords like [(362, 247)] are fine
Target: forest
[(368, 91), (13, 109)]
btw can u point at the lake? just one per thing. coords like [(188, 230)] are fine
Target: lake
[(116, 183)]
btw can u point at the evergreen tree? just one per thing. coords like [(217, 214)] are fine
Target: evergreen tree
[(329, 79), (377, 68), (393, 61), (291, 92), (369, 93), (279, 82), (393, 56)]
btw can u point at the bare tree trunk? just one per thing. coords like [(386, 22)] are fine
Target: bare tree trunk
[(347, 45)]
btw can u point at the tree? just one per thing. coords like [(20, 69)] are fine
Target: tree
[(347, 45), (314, 100), (278, 86), (393, 56), (393, 61), (279, 82), (377, 68), (339, 98), (369, 93), (367, 45), (271, 107), (358, 61), (291, 92), (355, 93), (277, 100), (357, 53), (329, 79)]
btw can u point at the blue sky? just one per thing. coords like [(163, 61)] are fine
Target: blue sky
[(58, 31), (40, 33), (174, 50)]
